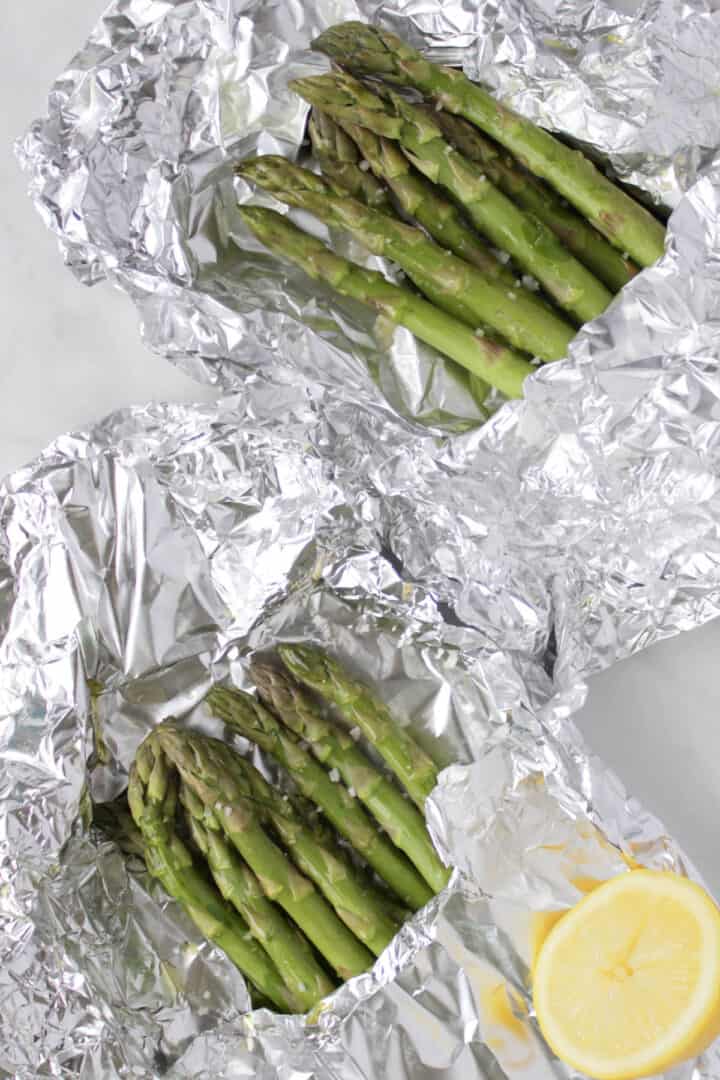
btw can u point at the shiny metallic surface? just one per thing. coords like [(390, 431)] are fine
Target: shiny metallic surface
[(475, 580), (636, 82), (157, 553), (132, 168), (584, 520)]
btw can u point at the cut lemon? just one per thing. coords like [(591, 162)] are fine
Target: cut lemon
[(627, 983)]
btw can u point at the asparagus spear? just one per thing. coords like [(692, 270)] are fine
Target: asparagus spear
[(360, 906), (458, 287), (312, 193), (115, 820), (152, 794), (246, 715), (338, 157), (423, 201), (283, 943), (368, 50), (340, 161), (326, 838), (335, 748), (360, 707), (585, 242), (495, 363), (523, 236), (219, 785)]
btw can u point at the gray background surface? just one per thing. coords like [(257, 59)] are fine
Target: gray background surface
[(73, 354)]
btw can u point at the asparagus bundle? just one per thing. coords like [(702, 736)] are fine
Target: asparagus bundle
[(524, 320), (337, 156), (499, 365), (525, 237), (246, 715), (153, 796), (368, 50), (338, 750), (252, 868), (381, 152), (585, 242)]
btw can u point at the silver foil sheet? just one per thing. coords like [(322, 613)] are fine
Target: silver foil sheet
[(582, 524), (582, 521), (156, 553), (475, 578), (132, 167)]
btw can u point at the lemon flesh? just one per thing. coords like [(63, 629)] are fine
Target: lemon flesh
[(627, 983)]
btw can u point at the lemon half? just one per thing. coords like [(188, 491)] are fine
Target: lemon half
[(627, 983)]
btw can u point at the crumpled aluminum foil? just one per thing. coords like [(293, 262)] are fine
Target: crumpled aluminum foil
[(584, 520), (160, 549), (132, 167), (156, 553), (582, 524)]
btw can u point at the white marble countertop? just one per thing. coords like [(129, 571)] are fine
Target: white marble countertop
[(73, 354)]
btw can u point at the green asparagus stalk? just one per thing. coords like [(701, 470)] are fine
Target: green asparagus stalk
[(360, 906), (336, 749), (152, 794), (530, 243), (338, 157), (498, 365), (368, 50), (426, 203), (585, 242), (326, 837), (341, 164), (461, 289), (284, 944), (245, 714), (360, 708), (312, 193), (207, 771)]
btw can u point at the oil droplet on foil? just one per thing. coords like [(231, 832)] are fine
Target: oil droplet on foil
[(507, 1033)]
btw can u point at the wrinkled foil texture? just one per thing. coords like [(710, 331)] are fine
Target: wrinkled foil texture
[(132, 167), (156, 553), (583, 524), (159, 550), (584, 521)]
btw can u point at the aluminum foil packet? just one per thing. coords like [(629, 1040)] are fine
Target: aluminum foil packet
[(156, 553), (475, 578), (133, 165), (582, 523)]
